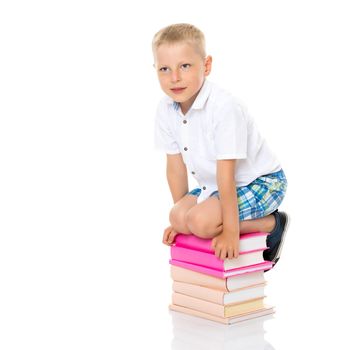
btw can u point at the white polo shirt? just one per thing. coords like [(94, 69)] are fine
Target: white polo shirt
[(216, 127)]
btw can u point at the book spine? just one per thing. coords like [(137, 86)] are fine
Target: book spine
[(197, 304), (189, 276), (197, 257), (266, 312), (210, 260), (196, 313), (266, 265), (219, 297), (198, 268), (199, 292), (248, 242), (216, 309)]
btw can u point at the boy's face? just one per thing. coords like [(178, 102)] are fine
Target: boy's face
[(181, 72)]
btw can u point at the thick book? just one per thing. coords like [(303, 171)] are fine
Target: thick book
[(229, 310), (210, 260), (228, 284), (264, 312), (248, 242), (266, 265), (217, 296)]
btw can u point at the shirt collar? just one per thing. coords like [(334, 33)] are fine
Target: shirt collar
[(202, 97), (200, 100)]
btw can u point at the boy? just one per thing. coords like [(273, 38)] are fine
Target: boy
[(204, 130)]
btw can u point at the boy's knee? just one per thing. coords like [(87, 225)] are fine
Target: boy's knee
[(177, 218), (197, 223)]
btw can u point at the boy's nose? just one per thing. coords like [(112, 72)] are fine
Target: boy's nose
[(175, 76)]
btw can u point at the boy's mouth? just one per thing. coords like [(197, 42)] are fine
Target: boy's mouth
[(178, 90)]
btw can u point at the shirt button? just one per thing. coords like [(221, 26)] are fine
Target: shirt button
[(204, 188), (184, 121), (185, 148), (193, 172)]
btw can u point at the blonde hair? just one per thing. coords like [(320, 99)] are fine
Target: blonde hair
[(181, 32)]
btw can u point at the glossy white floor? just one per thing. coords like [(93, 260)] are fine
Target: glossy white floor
[(83, 194)]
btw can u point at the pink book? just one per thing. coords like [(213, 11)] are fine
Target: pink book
[(266, 265), (209, 259), (248, 242)]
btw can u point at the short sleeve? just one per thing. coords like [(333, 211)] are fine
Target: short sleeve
[(230, 131), (163, 137)]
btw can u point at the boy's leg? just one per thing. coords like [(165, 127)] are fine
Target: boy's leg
[(205, 220), (265, 224), (177, 214)]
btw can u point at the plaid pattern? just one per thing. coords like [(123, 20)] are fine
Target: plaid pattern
[(260, 198)]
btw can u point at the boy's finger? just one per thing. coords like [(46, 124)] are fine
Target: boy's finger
[(166, 237), (217, 252), (172, 236), (223, 254), (166, 242), (213, 243), (230, 254)]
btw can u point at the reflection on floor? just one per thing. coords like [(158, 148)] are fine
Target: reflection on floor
[(194, 333)]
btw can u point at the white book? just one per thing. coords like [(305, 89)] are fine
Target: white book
[(218, 296)]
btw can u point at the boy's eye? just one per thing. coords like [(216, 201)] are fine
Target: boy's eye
[(183, 66)]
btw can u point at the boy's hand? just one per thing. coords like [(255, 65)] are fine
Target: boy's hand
[(226, 245), (169, 235)]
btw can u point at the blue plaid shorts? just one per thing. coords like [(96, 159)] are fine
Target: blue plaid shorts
[(260, 198)]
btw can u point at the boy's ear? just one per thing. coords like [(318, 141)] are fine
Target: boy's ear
[(208, 62)]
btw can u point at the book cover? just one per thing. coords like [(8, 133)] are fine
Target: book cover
[(217, 296), (266, 311), (219, 273), (248, 242), (227, 284), (209, 259), (229, 310)]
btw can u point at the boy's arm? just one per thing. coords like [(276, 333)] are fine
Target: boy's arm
[(227, 243), (176, 173)]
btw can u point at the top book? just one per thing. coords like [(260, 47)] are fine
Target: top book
[(248, 242), (195, 253)]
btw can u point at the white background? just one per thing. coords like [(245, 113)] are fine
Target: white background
[(84, 198)]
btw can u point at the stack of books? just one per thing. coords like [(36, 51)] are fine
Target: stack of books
[(227, 291)]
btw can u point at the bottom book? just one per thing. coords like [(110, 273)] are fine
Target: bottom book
[(267, 310), (229, 310)]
